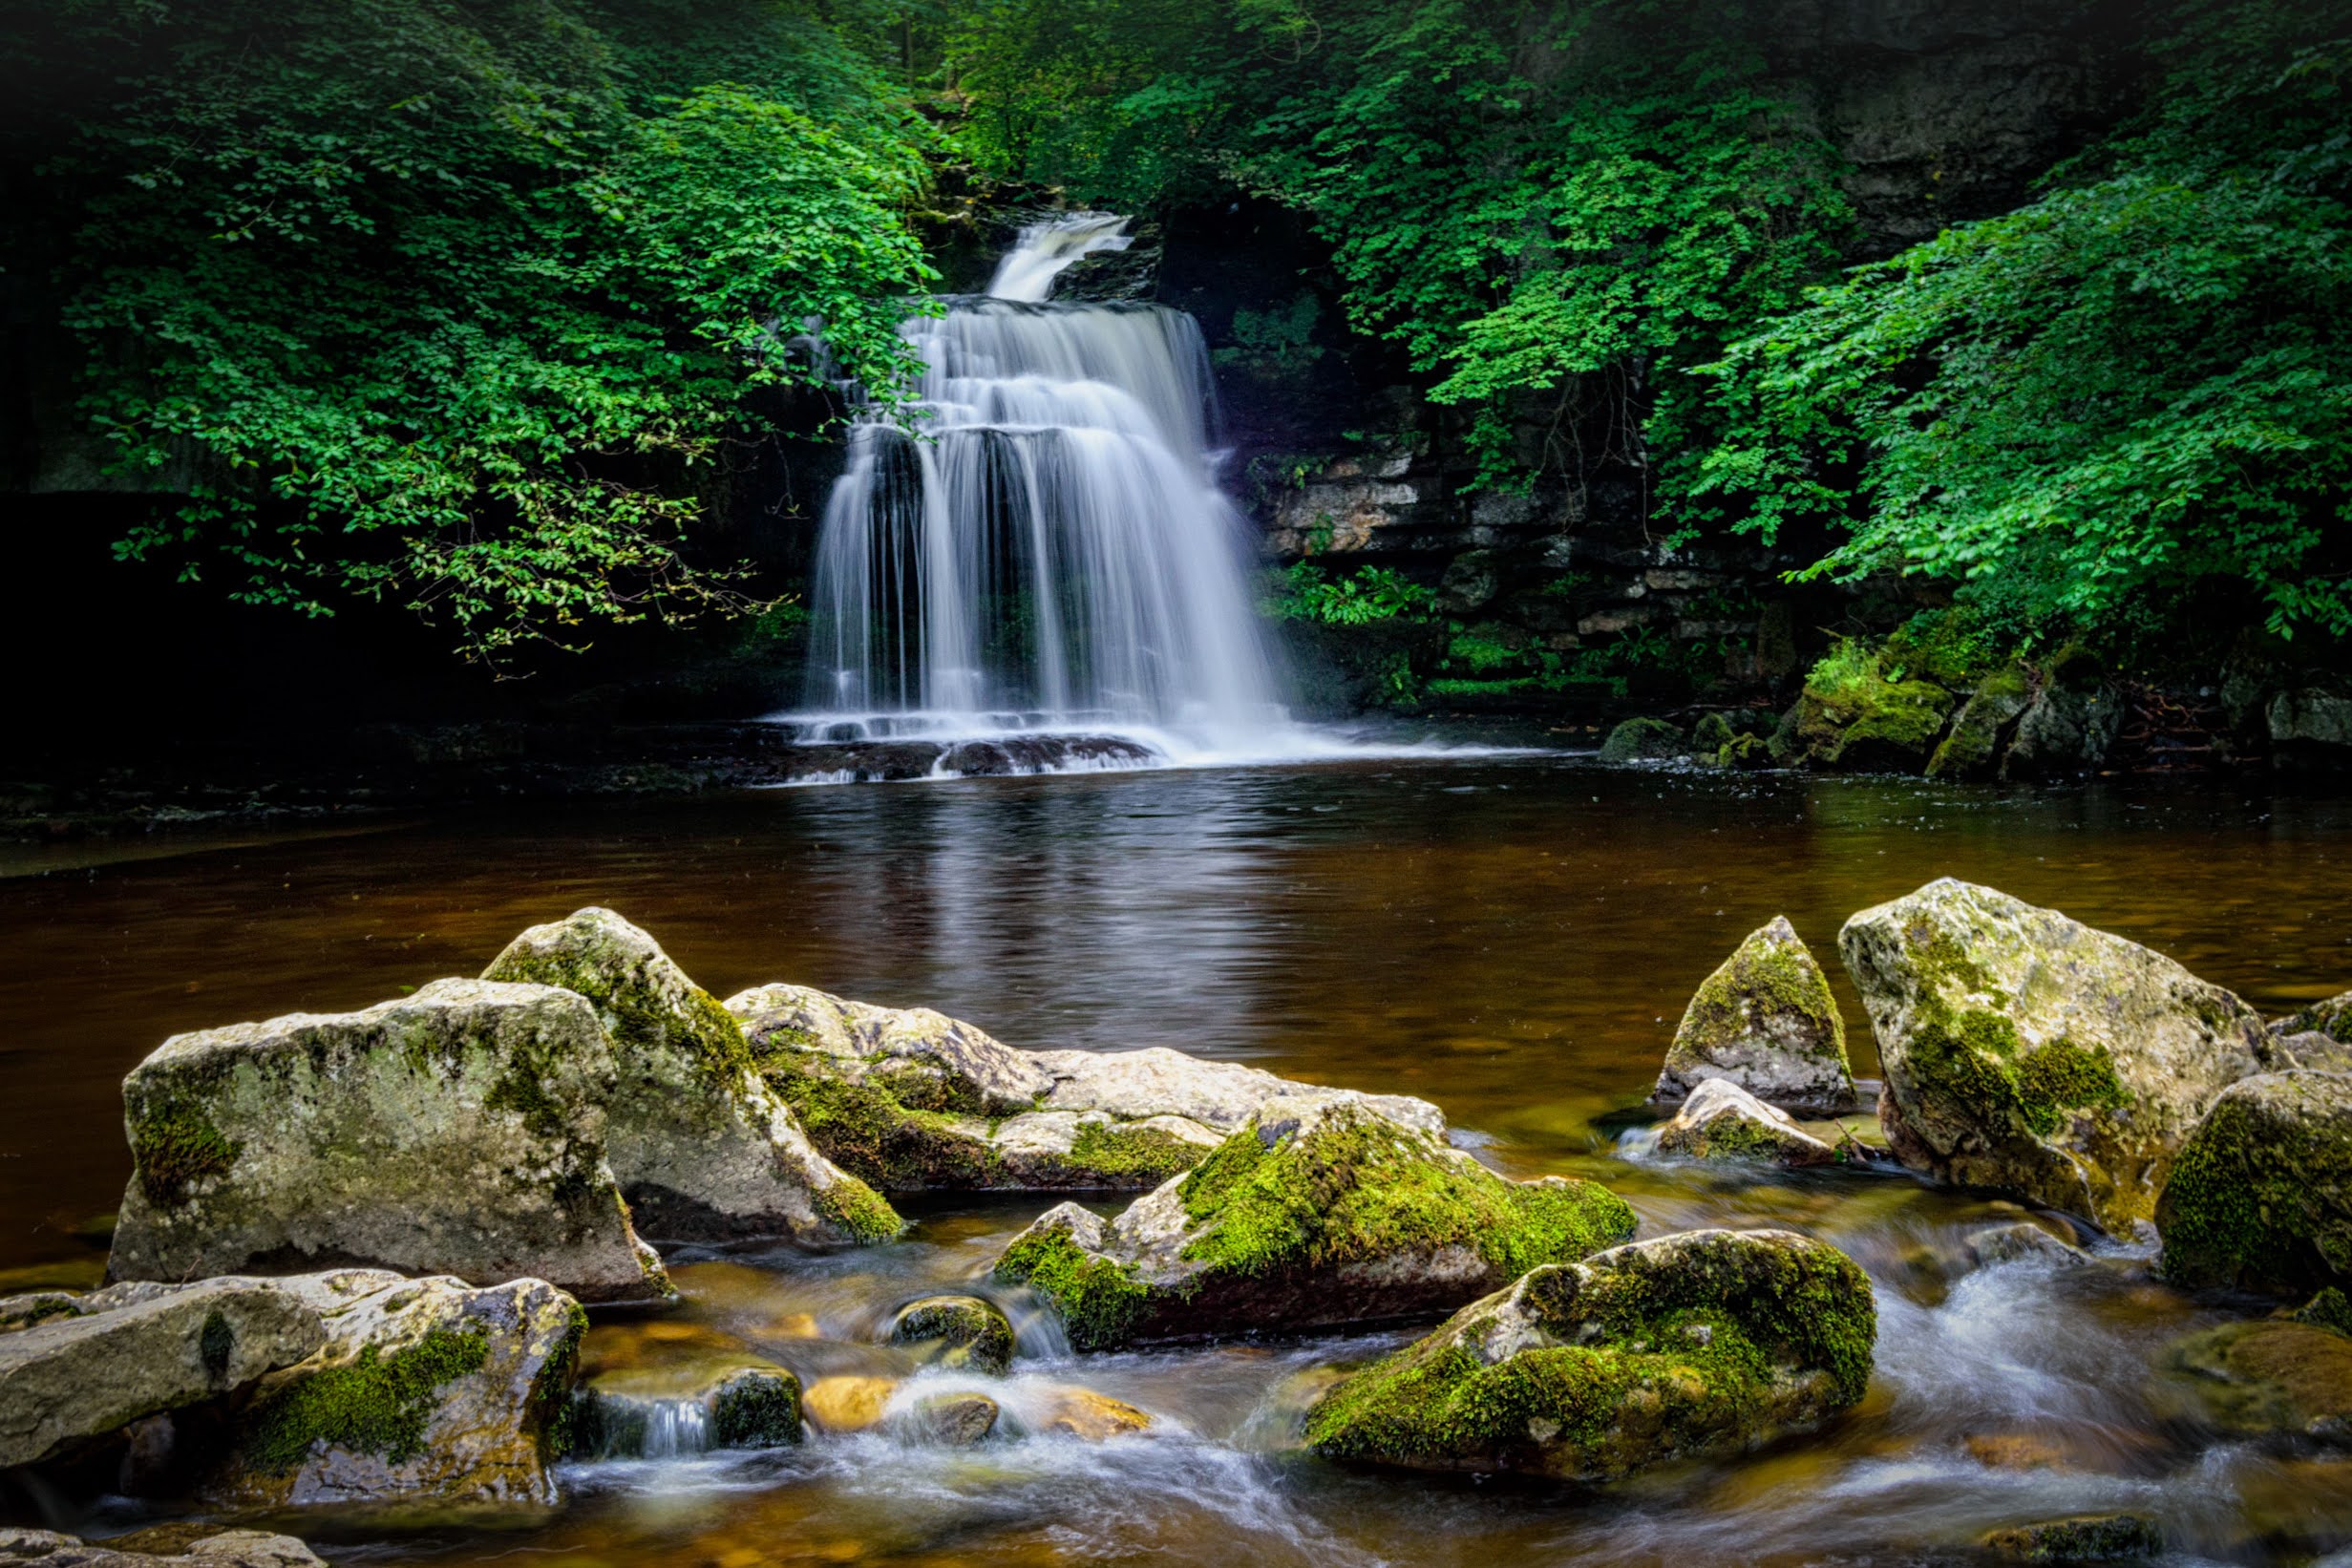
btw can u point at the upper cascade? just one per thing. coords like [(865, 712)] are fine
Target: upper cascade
[(1042, 545)]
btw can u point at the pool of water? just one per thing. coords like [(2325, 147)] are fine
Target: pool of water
[(1513, 938)]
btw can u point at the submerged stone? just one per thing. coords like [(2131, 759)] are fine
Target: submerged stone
[(956, 1420), (2090, 1537), (2019, 1242), (959, 1330), (1709, 1342), (2028, 1052), (1319, 1213), (2273, 1376), (1089, 1416), (703, 1149), (1765, 1020), (458, 1131), (2261, 1196), (1724, 1122)]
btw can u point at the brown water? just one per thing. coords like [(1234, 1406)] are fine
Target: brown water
[(1511, 937)]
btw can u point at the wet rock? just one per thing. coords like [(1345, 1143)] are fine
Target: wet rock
[(2090, 1537), (845, 1404), (2027, 1051), (194, 1546), (2261, 1196), (426, 1389), (685, 1405), (958, 1330), (2068, 724), (1644, 740), (1091, 1417), (1745, 754), (96, 1361), (1764, 1021), (458, 1131), (2023, 1242), (1972, 750), (1319, 1213), (2274, 1376), (2331, 1019), (1724, 1122), (1092, 1150), (955, 1420), (703, 1149), (1855, 720), (1709, 1342), (2015, 1450)]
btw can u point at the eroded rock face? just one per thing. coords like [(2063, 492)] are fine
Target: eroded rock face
[(458, 1131), (1724, 1122), (2260, 1194), (911, 1100), (1709, 1342), (1765, 1022), (191, 1546), (426, 1389), (2027, 1051), (94, 1363), (1318, 1214), (702, 1148)]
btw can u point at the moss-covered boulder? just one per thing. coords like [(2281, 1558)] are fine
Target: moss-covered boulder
[(1645, 740), (704, 1150), (688, 1403), (1320, 1213), (2068, 724), (1766, 1021), (1710, 1342), (961, 1331), (2272, 1377), (2260, 1194), (2331, 1018), (1724, 1122), (2086, 1538), (426, 1391), (84, 1366), (457, 1131), (1852, 718), (2028, 1052), (1982, 726)]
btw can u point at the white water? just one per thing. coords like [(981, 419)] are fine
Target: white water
[(1050, 552)]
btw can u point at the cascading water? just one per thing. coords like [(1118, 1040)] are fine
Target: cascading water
[(1048, 550)]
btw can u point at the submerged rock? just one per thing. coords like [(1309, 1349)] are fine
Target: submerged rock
[(1724, 1122), (94, 1362), (2088, 1537), (965, 1330), (1319, 1213), (2274, 1376), (1091, 1417), (704, 1150), (193, 1546), (1710, 1342), (1764, 1021), (2260, 1194), (956, 1420), (2027, 1051), (458, 1131), (2021, 1241), (425, 1390)]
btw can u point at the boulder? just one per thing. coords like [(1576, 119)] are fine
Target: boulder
[(1850, 718), (957, 1330), (686, 1405), (1764, 1021), (2309, 719), (1710, 1342), (1972, 750), (1089, 1416), (955, 1420), (703, 1149), (190, 1546), (1724, 1122), (1319, 1213), (2088, 1537), (2069, 723), (458, 1131), (95, 1363), (2273, 1377), (2019, 1242), (2331, 1018), (846, 1402), (426, 1389), (1644, 740), (2028, 1052), (2260, 1194), (1155, 1081)]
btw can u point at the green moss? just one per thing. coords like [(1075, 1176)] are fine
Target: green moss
[(915, 1087), (637, 1010), (173, 1143), (2064, 1077), (867, 1133), (376, 1405), (2102, 1537), (1130, 1156), (859, 1210), (1764, 978), (2332, 1018), (2329, 1309), (1097, 1298), (1643, 739), (549, 1406), (216, 1341), (756, 1410), (2251, 1200), (973, 1331), (519, 1090)]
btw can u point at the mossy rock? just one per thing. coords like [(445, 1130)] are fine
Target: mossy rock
[(683, 1404), (2088, 1537), (1745, 754), (1722, 1121), (1644, 740), (2332, 1018), (961, 1331), (2261, 1196), (1710, 1342), (1850, 718), (1766, 1021), (1972, 750), (1320, 1213), (2273, 1377), (2028, 1052), (704, 1150)]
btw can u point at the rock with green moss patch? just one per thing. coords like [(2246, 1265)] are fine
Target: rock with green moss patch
[(426, 1391), (87, 1368), (1645, 740), (161, 1546), (2069, 723), (2028, 1052), (960, 1331), (1710, 1342), (685, 1403), (2270, 1377), (2331, 1019), (2086, 1538), (1722, 1121), (1850, 718), (704, 1150), (1973, 748), (2261, 1196), (1766, 1021), (457, 1131), (1319, 1213)]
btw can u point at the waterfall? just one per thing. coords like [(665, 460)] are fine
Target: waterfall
[(1046, 548)]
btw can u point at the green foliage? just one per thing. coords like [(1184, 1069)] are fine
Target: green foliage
[(457, 305), (1276, 346), (1308, 592)]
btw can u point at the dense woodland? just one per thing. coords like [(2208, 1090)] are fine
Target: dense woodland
[(463, 304)]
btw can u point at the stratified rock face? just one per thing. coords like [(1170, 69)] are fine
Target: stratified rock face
[(1764, 1021), (703, 1149), (913, 1100), (95, 1363), (427, 1390), (1724, 1122), (457, 1131), (190, 1546), (1319, 1213), (1709, 1342), (2262, 1193), (2025, 1051)]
